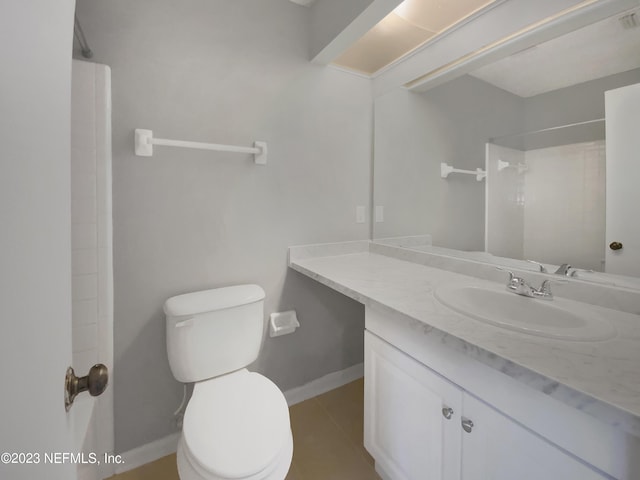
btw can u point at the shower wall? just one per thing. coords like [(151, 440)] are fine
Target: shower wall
[(554, 212), (504, 211), (91, 234), (564, 208)]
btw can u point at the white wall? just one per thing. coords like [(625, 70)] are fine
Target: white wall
[(184, 220), (35, 258), (414, 133)]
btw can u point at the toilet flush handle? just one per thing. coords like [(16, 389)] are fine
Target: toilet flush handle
[(185, 323)]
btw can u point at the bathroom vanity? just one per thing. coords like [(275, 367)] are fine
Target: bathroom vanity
[(453, 394)]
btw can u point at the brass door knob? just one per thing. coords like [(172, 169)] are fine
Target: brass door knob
[(615, 246), (95, 383)]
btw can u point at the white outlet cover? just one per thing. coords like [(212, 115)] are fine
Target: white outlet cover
[(379, 213)]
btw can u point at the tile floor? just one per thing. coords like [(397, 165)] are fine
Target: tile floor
[(327, 438)]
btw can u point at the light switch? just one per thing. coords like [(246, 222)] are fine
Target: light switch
[(360, 214), (379, 214)]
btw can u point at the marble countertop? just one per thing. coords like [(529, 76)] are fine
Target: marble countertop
[(602, 378)]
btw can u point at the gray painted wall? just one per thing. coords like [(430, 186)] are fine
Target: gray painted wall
[(414, 132), (577, 103), (185, 220)]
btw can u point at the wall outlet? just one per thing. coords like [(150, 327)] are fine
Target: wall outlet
[(360, 214), (379, 213)]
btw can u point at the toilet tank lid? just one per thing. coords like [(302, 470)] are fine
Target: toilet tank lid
[(212, 300)]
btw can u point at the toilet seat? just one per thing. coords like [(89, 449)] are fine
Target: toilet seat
[(188, 468), (236, 426)]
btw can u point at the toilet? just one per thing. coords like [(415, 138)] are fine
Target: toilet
[(236, 425)]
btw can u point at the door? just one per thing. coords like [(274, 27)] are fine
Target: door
[(622, 107), (498, 448), (35, 253), (406, 430)]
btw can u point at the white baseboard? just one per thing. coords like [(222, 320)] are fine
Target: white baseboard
[(167, 445), (148, 453), (324, 384)]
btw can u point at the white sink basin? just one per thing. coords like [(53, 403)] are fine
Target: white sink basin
[(557, 318)]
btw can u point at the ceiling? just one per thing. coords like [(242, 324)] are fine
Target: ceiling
[(598, 50), (411, 24)]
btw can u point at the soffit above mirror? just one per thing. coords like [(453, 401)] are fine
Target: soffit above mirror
[(604, 48), (406, 28)]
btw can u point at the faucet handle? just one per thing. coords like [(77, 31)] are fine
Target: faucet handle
[(545, 289), (512, 277), (543, 269), (514, 281), (563, 269)]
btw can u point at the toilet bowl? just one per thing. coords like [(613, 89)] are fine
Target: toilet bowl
[(236, 425)]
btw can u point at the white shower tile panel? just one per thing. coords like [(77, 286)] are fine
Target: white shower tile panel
[(83, 210), (85, 337), (84, 235), (565, 205), (84, 311), (84, 261), (84, 287), (83, 361), (83, 160), (83, 185)]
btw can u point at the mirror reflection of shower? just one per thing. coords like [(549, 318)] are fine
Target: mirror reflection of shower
[(545, 195)]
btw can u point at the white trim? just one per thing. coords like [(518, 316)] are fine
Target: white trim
[(304, 3), (490, 27), (439, 36), (148, 453), (350, 72), (580, 15), (324, 384)]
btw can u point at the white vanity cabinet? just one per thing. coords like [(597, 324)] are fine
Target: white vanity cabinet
[(411, 424), (498, 448), (419, 425)]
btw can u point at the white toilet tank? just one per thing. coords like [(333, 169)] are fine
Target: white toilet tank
[(214, 332)]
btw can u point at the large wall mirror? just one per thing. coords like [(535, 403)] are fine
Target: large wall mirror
[(513, 161)]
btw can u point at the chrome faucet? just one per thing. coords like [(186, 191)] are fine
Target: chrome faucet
[(563, 269), (542, 268), (519, 286)]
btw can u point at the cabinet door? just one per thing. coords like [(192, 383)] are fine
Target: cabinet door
[(405, 428), (498, 448)]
